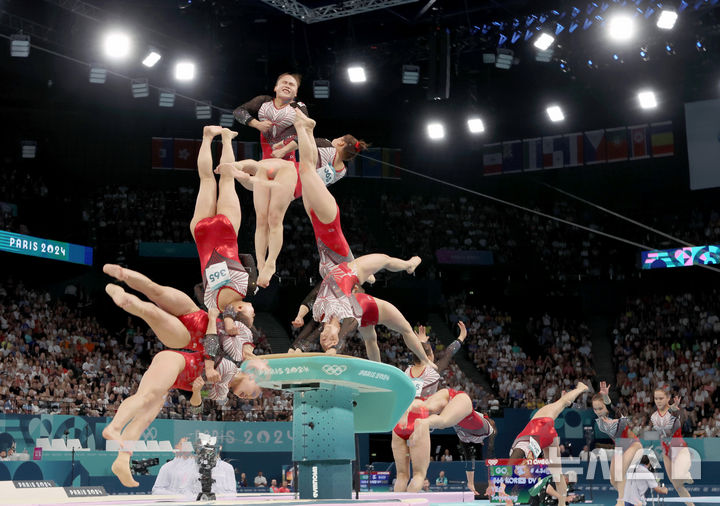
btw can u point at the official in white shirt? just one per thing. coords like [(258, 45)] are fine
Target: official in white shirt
[(640, 478), (181, 476)]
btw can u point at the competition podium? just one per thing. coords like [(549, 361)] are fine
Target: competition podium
[(335, 397)]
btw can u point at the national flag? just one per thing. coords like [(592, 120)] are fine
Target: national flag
[(594, 149), (573, 150), (392, 159), (617, 144), (532, 154), (553, 152), (512, 156), (162, 153), (639, 142), (492, 159), (662, 139), (185, 154)]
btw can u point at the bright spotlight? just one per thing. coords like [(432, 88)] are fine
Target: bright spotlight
[(555, 113), (185, 71), (117, 45), (151, 59), (667, 19), (356, 74), (436, 131), (622, 28), (544, 41), (476, 125), (647, 99)]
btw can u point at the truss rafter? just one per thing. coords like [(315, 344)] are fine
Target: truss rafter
[(334, 11)]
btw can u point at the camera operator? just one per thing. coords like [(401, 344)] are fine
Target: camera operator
[(639, 479), (182, 475), (545, 493)]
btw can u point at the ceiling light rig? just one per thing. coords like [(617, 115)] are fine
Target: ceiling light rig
[(538, 28)]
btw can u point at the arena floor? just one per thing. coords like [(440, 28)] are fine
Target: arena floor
[(57, 495)]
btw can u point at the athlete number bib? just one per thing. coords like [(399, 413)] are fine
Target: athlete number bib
[(535, 447), (418, 387), (327, 174), (217, 275)]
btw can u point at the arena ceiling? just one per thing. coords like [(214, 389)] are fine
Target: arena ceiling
[(241, 45)]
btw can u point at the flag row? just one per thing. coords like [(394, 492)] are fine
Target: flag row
[(181, 154), (573, 150)]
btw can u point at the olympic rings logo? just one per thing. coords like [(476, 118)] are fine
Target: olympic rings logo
[(150, 434), (334, 370)]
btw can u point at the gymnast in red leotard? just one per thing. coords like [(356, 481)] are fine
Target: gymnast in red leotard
[(169, 369), (627, 444), (539, 437), (426, 381), (272, 200), (668, 420), (214, 227)]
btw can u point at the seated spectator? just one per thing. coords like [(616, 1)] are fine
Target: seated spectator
[(441, 480), (274, 487), (260, 480)]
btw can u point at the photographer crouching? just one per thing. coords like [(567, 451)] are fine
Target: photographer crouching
[(545, 493)]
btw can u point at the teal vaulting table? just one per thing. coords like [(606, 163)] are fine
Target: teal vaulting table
[(335, 397)]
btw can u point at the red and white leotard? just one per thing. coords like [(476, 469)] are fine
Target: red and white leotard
[(196, 323), (326, 165), (619, 430), (194, 367), (219, 391), (426, 383), (233, 345), (335, 297), (282, 118), (332, 246), (541, 430), (369, 312), (406, 432), (474, 428), (670, 428), (217, 247)]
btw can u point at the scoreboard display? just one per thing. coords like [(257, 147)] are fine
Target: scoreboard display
[(518, 477), (378, 481), (45, 248), (680, 257)]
